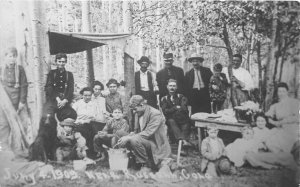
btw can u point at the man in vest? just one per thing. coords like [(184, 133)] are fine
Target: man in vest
[(145, 83)]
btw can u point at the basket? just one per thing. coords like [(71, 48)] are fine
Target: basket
[(243, 117), (118, 159)]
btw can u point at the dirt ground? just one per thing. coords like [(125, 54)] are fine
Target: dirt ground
[(246, 177)]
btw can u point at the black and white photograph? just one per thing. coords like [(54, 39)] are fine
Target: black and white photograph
[(130, 93)]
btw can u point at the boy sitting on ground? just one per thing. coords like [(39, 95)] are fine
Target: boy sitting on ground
[(66, 140), (114, 129), (213, 151)]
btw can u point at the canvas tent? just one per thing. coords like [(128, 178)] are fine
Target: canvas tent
[(64, 42)]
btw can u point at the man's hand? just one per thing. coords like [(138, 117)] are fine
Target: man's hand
[(62, 103), (102, 134), (122, 141), (20, 107), (234, 79), (214, 87)]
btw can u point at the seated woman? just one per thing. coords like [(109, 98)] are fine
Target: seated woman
[(237, 150), (284, 116), (261, 132), (87, 117)]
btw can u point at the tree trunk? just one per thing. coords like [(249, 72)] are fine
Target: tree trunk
[(260, 69), (270, 65), (128, 60), (40, 53), (233, 90), (86, 27)]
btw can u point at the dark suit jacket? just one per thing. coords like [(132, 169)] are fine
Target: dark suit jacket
[(162, 78), (189, 80), (59, 85)]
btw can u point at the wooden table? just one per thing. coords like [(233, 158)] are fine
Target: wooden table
[(227, 126)]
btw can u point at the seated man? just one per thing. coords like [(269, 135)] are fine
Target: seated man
[(149, 142), (59, 90), (174, 107), (87, 118)]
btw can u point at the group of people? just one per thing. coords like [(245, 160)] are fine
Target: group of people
[(85, 128)]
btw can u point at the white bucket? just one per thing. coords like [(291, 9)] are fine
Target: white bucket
[(79, 165), (118, 159)]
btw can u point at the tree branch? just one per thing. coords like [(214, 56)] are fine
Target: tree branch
[(216, 46)]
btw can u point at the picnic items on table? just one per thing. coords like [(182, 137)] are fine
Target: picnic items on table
[(226, 115), (245, 113)]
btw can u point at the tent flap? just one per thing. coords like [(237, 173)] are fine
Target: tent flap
[(61, 42)]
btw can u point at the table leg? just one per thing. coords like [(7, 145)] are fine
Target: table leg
[(199, 139)]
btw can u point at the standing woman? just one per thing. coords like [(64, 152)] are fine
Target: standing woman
[(13, 93)]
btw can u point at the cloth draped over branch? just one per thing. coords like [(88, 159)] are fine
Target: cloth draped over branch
[(67, 42)]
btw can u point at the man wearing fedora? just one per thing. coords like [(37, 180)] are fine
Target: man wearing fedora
[(145, 83), (169, 72), (197, 81)]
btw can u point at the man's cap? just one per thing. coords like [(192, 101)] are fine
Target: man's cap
[(195, 56), (144, 59), (68, 122), (168, 56), (136, 100)]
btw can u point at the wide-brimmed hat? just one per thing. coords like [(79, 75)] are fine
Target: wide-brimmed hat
[(144, 59), (112, 81), (168, 56), (68, 122), (195, 56)]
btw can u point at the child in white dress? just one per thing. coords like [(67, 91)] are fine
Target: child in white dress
[(237, 150)]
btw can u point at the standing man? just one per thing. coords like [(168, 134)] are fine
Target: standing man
[(242, 80), (197, 81), (59, 89), (149, 142), (169, 72), (145, 83), (175, 109)]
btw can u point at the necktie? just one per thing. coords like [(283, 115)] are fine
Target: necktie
[(199, 80)]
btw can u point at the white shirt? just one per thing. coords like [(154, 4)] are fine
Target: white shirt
[(85, 111), (198, 82), (242, 75), (100, 108), (144, 80), (141, 119)]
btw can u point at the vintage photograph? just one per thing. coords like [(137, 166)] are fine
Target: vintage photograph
[(175, 93)]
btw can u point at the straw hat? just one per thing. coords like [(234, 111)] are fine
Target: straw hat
[(195, 56)]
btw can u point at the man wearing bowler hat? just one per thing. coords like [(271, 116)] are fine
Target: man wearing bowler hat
[(145, 83), (169, 72), (197, 81)]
